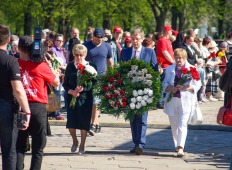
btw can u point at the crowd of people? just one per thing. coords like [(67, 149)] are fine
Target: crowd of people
[(168, 52)]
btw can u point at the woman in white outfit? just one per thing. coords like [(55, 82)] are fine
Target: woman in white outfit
[(180, 106)]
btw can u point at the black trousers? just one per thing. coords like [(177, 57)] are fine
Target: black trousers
[(37, 129), (199, 98)]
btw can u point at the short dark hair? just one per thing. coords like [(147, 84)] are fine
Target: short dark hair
[(4, 34), (57, 35), (206, 41), (187, 38)]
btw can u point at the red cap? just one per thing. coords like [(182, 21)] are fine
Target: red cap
[(117, 29), (167, 28), (175, 33), (127, 39)]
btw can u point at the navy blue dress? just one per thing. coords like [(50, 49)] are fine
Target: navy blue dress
[(78, 117)]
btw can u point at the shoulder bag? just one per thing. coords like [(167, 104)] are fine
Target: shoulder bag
[(53, 101)]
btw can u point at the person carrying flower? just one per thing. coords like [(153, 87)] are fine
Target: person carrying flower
[(80, 96), (181, 84), (139, 123)]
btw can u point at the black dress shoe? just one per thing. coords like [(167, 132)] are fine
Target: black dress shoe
[(138, 150), (160, 106), (132, 150)]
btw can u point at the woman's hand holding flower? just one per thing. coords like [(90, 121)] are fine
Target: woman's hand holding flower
[(79, 89)]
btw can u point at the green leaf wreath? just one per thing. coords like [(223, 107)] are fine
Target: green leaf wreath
[(129, 88)]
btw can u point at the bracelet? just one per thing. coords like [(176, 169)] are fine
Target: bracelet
[(28, 113)]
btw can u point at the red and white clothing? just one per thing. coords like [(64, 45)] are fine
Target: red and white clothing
[(164, 45), (34, 78)]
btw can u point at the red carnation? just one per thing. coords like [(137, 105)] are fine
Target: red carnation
[(184, 70), (124, 99), (119, 81), (112, 105), (118, 75), (122, 92), (123, 104), (108, 96), (63, 50), (193, 69), (117, 103), (111, 79), (112, 87), (115, 95), (106, 88)]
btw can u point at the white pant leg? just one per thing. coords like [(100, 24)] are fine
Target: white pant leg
[(174, 119), (183, 118)]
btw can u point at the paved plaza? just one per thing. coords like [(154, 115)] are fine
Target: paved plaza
[(207, 147)]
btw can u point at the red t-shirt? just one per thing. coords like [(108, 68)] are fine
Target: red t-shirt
[(164, 45), (34, 77)]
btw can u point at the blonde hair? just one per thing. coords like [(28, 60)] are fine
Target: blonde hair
[(181, 52), (79, 48)]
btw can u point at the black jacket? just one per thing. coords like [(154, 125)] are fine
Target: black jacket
[(191, 56)]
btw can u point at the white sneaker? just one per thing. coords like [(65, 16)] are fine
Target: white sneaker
[(213, 99), (180, 153)]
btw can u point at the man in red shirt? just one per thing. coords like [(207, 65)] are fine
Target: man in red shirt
[(164, 54), (164, 48), (34, 75)]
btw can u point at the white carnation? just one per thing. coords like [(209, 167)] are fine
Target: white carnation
[(132, 106), (133, 71), (138, 106), (149, 82), (60, 60), (135, 93), (133, 100), (150, 93), (145, 91), (90, 69), (144, 70), (150, 100), (145, 97), (143, 103), (139, 98), (149, 76), (140, 92)]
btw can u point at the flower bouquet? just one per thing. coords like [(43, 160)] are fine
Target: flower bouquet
[(129, 88), (85, 75), (186, 76)]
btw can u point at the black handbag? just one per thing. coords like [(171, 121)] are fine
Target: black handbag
[(216, 73)]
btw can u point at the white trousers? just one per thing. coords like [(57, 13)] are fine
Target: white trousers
[(179, 123)]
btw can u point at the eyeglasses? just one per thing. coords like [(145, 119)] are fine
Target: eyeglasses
[(136, 39), (59, 41)]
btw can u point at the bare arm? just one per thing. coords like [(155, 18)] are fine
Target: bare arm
[(21, 97), (168, 56), (109, 62)]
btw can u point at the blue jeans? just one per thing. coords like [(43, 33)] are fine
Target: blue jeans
[(138, 129), (8, 135)]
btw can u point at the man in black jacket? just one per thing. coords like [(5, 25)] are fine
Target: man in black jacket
[(190, 51)]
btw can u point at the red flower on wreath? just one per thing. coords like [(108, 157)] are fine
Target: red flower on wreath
[(184, 70), (116, 103), (106, 88), (118, 75), (123, 104), (108, 96), (112, 105), (124, 99), (111, 79), (119, 81), (115, 95), (122, 92), (112, 87)]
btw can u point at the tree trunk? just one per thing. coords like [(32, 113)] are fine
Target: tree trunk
[(106, 21), (174, 17), (182, 20), (28, 22), (221, 12), (160, 20)]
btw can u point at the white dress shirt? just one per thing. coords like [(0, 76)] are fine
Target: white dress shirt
[(137, 53)]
